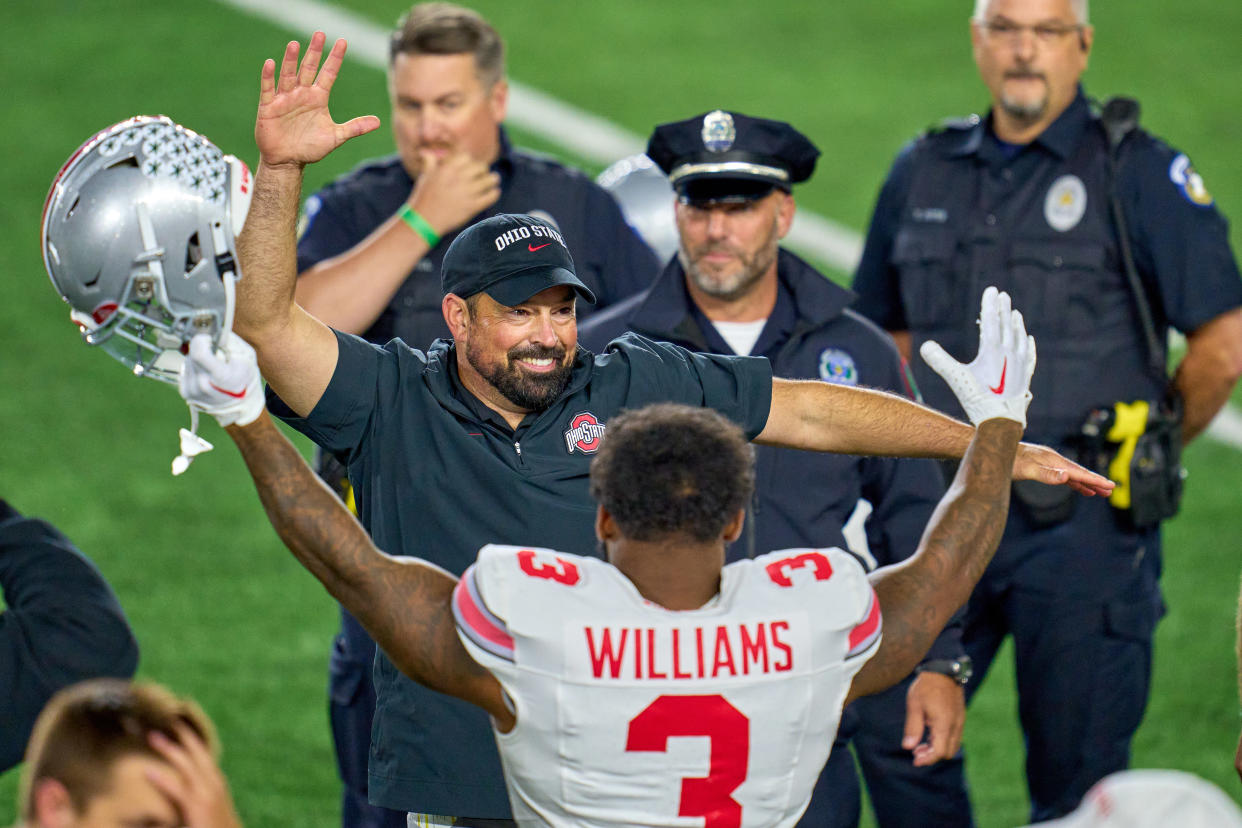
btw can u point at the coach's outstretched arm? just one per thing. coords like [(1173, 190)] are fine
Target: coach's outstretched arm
[(404, 603), (918, 595), (293, 128), (821, 416)]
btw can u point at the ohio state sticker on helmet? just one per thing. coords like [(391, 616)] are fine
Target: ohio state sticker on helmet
[(584, 434)]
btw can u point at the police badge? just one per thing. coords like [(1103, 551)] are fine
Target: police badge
[(1066, 203), (718, 131)]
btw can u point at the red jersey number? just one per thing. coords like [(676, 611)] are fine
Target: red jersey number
[(712, 716), (563, 571), (778, 569)]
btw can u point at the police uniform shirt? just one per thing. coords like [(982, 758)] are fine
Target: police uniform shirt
[(601, 679), (435, 479), (609, 257), (960, 211)]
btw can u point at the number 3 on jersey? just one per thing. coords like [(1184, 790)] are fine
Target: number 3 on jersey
[(729, 731), (563, 571), (778, 570)]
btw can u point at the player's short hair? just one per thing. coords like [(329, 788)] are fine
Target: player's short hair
[(447, 29), (1078, 7), (88, 727), (667, 470)]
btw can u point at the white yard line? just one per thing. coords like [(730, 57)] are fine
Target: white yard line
[(588, 136)]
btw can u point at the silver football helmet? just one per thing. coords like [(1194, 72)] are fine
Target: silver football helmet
[(646, 199), (139, 233)]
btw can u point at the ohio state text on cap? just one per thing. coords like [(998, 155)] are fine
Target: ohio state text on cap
[(510, 257)]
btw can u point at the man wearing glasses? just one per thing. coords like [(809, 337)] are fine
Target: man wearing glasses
[(1088, 240)]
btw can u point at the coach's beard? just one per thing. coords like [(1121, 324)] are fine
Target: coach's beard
[(527, 391)]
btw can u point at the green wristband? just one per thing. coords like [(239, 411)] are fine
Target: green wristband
[(419, 225)]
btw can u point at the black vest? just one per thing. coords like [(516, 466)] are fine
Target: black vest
[(969, 224)]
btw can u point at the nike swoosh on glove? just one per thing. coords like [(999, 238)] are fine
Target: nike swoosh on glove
[(998, 382), (224, 384)]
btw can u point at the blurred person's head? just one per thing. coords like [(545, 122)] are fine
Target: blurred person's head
[(90, 761), (1031, 55), (446, 84)]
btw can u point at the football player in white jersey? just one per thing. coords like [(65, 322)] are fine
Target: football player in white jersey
[(660, 687)]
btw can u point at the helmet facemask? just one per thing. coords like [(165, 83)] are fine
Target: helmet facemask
[(138, 238)]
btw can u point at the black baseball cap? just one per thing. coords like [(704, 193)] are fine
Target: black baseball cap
[(728, 156), (510, 257)]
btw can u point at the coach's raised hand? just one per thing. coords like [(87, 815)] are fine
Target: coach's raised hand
[(293, 125), (296, 352)]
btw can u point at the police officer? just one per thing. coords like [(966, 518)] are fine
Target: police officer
[(489, 436), (1022, 199), (370, 255), (732, 289)]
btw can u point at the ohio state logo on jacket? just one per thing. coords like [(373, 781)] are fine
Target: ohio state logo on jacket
[(584, 433)]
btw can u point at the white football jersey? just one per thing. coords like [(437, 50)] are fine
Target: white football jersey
[(632, 714)]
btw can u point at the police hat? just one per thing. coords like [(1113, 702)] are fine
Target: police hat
[(510, 257), (721, 156)]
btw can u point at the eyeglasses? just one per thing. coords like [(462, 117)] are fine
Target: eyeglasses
[(1046, 33)]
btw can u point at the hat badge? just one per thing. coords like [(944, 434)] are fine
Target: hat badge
[(718, 131)]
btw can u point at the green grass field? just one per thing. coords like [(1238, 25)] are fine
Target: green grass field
[(222, 611)]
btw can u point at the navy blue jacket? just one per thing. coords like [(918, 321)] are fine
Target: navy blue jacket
[(803, 499), (62, 625)]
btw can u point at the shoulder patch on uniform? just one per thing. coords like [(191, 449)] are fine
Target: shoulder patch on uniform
[(838, 367), (1066, 203), (1189, 182)]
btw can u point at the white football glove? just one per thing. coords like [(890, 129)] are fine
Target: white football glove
[(224, 384), (998, 382)]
